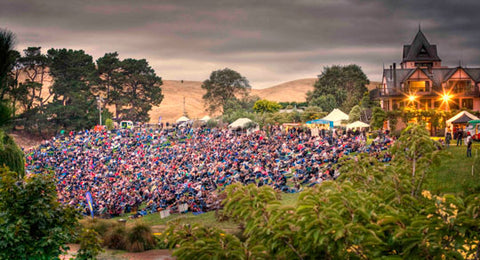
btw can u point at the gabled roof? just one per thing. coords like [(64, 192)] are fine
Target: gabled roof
[(414, 70), (474, 73), (420, 50)]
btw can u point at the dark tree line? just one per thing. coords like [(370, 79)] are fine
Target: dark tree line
[(129, 87)]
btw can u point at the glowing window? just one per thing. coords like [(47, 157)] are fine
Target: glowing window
[(419, 86)]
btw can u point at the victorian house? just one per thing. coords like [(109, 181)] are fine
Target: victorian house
[(420, 81)]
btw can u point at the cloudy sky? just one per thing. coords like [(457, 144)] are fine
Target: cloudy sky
[(268, 41)]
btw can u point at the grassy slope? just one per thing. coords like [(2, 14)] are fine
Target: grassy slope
[(454, 175)]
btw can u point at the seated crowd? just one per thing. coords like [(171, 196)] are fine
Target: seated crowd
[(163, 168)]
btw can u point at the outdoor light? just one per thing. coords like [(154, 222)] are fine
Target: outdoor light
[(446, 97), (411, 98)]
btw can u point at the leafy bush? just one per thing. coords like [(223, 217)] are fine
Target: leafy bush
[(90, 245), (109, 124), (140, 238), (33, 224)]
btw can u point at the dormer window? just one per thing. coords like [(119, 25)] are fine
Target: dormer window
[(459, 86), (423, 52)]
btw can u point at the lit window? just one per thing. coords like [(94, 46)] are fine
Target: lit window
[(419, 86)]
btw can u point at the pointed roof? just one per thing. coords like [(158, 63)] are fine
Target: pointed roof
[(420, 49)]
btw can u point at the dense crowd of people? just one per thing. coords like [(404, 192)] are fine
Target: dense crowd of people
[(163, 168)]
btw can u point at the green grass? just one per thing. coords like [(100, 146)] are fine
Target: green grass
[(454, 175)]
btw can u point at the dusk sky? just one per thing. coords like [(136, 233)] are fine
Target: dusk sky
[(268, 42)]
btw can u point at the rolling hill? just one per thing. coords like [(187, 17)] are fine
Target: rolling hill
[(174, 91)]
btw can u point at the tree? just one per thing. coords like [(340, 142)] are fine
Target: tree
[(355, 114), (73, 105), (109, 69), (11, 155), (312, 112), (33, 224), (222, 86), (346, 84), (140, 89), (7, 58), (33, 65), (266, 106), (378, 117), (326, 102)]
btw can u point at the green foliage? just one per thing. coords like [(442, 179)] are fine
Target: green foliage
[(140, 90), (73, 105), (7, 44), (197, 242), (140, 238), (344, 84), (90, 245), (312, 112), (326, 102), (212, 123), (33, 224), (378, 117), (109, 124), (355, 114), (293, 104), (5, 114), (11, 155), (266, 106), (222, 86), (416, 152), (370, 212)]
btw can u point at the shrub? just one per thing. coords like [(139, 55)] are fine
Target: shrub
[(116, 238), (109, 124), (90, 245), (101, 226), (140, 238)]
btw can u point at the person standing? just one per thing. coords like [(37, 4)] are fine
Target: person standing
[(459, 137), (469, 145), (448, 137)]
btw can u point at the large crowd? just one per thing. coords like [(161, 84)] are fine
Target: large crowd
[(164, 168)]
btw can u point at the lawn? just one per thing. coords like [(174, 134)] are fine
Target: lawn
[(457, 172)]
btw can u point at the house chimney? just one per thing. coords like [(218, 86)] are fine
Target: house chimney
[(391, 73), (394, 74)]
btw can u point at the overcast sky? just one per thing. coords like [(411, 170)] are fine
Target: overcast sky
[(267, 41)]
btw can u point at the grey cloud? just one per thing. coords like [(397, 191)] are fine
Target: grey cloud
[(267, 41)]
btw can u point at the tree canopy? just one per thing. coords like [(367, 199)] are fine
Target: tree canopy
[(222, 86), (345, 84), (140, 89)]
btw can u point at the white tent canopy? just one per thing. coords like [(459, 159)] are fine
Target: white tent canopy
[(182, 119), (357, 124), (240, 123), (205, 119), (336, 116), (455, 117)]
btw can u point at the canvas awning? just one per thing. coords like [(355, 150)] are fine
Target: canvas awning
[(462, 118), (182, 119), (357, 124), (240, 123), (321, 122), (337, 116)]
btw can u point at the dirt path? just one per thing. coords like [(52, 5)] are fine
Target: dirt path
[(109, 254)]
